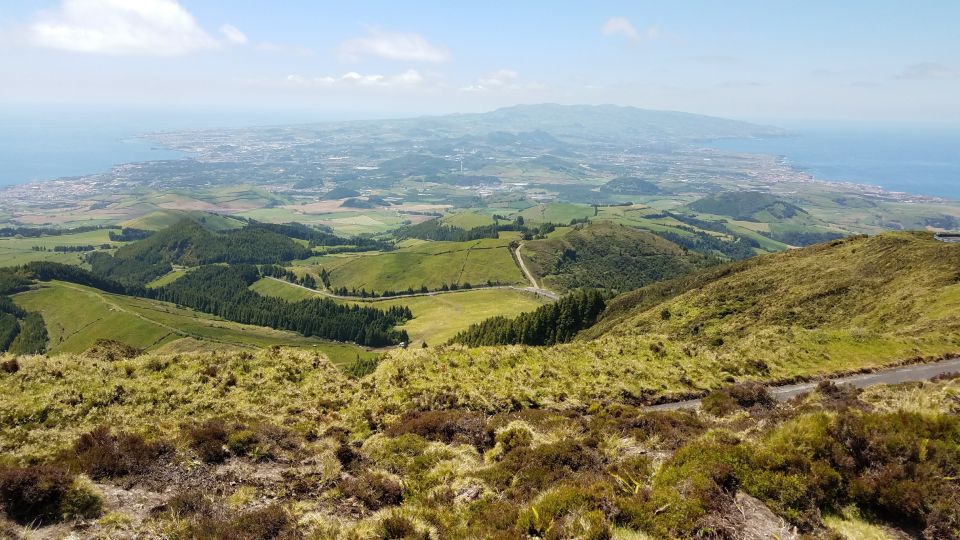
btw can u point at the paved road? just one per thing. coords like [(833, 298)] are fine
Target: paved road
[(915, 372), (533, 281)]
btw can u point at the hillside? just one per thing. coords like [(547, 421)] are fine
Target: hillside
[(769, 216), (607, 256), (747, 206), (279, 442), (77, 317), (852, 304), (190, 243)]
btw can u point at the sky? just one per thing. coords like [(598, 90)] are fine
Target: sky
[(858, 60)]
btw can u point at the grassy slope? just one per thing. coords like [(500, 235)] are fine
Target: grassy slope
[(826, 309), (436, 318), (76, 316), (432, 264), (606, 255), (162, 219)]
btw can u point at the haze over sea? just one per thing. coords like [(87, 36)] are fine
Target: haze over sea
[(914, 158), (40, 144), (46, 143)]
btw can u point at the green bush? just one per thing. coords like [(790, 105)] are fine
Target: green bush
[(450, 427)]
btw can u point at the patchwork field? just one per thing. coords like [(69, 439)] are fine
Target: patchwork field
[(76, 316)]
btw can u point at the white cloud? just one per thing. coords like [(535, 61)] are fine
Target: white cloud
[(408, 78), (622, 27), (125, 27), (392, 46), (498, 80), (233, 34), (928, 70)]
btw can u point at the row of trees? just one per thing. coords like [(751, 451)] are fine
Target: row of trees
[(223, 291), (435, 230), (36, 232), (71, 249), (21, 332), (317, 237), (550, 324), (129, 234)]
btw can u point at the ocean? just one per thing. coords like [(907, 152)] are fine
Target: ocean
[(41, 143), (45, 144), (918, 159)]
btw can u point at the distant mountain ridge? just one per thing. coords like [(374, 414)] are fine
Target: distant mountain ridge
[(549, 124)]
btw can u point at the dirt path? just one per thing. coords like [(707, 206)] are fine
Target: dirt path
[(915, 372)]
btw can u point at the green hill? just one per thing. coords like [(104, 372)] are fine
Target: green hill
[(161, 219), (747, 206), (77, 316), (608, 256), (525, 442), (190, 243), (838, 307), (783, 222)]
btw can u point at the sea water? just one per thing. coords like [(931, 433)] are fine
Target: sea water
[(912, 158)]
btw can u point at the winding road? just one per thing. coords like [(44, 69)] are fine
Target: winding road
[(914, 372)]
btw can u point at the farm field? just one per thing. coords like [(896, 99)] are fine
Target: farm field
[(437, 318), (432, 264), (76, 316), (17, 251)]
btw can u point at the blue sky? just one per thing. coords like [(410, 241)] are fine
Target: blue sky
[(860, 60)]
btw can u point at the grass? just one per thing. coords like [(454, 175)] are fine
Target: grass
[(855, 528), (432, 264), (857, 304), (436, 318), (76, 316), (467, 220), (17, 251), (167, 278), (556, 213), (162, 219)]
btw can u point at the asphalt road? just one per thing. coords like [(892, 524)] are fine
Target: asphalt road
[(915, 372)]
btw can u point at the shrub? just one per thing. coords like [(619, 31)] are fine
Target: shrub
[(718, 403), (266, 523), (514, 437), (101, 454), (112, 350), (209, 440), (568, 512), (397, 527), (187, 503), (524, 471), (446, 426), (374, 490), (242, 442), (744, 395), (45, 494)]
